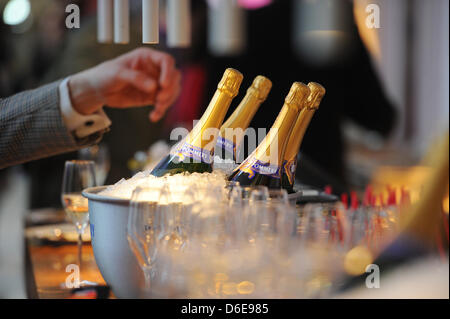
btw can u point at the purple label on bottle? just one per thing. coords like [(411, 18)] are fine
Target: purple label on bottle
[(254, 166), (196, 153), (226, 144)]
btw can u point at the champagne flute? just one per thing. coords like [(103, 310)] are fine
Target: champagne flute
[(143, 230), (100, 155), (78, 175)]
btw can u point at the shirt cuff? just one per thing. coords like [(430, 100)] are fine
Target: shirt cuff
[(80, 125)]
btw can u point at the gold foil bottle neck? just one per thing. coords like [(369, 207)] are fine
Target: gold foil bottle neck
[(231, 82), (297, 95), (261, 86), (316, 95)]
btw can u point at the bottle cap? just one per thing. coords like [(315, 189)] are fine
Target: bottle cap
[(297, 95), (231, 82), (316, 95), (262, 86)]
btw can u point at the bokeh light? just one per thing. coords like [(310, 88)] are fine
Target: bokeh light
[(16, 12)]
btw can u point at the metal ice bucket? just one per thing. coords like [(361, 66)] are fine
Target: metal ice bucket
[(108, 218)]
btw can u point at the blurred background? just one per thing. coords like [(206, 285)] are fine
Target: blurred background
[(387, 88)]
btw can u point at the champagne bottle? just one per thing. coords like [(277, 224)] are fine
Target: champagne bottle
[(195, 153), (264, 165), (297, 134), (232, 131)]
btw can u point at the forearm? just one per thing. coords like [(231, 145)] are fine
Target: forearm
[(68, 115), (32, 127)]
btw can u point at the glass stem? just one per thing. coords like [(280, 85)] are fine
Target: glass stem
[(80, 246), (148, 280)]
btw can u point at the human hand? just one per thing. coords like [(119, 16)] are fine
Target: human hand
[(139, 78)]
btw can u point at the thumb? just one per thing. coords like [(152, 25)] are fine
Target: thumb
[(139, 80)]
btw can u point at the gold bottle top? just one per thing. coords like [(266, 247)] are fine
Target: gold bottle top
[(317, 92), (231, 82), (281, 129), (246, 110), (261, 87), (297, 95), (316, 95), (202, 138)]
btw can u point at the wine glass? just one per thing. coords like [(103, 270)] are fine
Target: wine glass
[(78, 175), (100, 155), (143, 229)]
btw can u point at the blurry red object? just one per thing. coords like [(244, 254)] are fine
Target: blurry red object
[(392, 198), (368, 196), (254, 4), (354, 200), (247, 4), (189, 104), (344, 200)]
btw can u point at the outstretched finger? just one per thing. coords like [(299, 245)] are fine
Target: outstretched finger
[(166, 93), (162, 106), (139, 80)]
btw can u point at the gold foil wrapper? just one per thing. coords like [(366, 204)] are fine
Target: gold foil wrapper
[(297, 95), (316, 95), (262, 86), (231, 82)]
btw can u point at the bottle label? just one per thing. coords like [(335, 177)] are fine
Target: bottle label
[(226, 144), (290, 167), (188, 151), (254, 166)]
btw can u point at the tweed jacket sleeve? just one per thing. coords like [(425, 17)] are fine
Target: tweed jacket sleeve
[(32, 127)]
